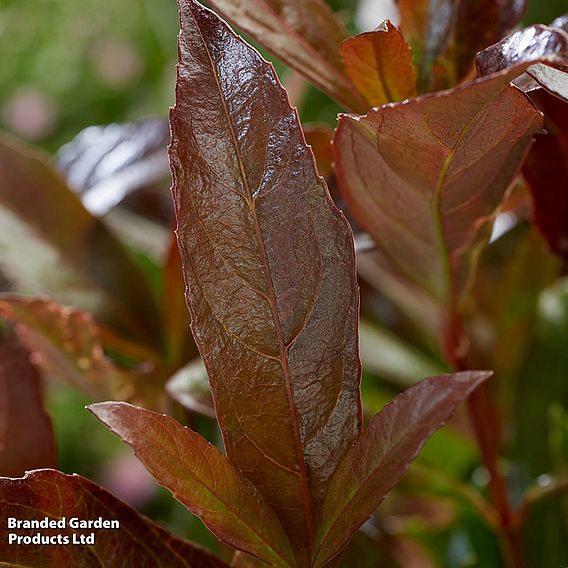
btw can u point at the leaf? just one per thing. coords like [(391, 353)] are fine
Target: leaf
[(319, 137), (65, 343), (269, 269), (425, 183), (26, 435), (379, 64), (426, 25), (546, 171), (383, 453), (179, 344), (304, 34), (539, 50), (138, 541), (481, 23), (190, 388), (63, 251), (105, 164), (200, 476)]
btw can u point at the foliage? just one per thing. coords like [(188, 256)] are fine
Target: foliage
[(442, 143)]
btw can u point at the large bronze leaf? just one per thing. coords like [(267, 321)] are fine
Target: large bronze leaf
[(269, 268), (426, 177)]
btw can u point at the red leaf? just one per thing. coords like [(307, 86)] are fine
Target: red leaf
[(382, 455), (70, 255), (546, 171), (481, 23), (539, 50), (379, 63), (65, 343), (269, 266), (426, 25), (47, 493), (304, 34), (200, 476), (425, 183), (26, 435)]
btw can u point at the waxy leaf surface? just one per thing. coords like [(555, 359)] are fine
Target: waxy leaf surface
[(539, 50), (425, 182), (62, 250), (383, 453), (65, 343), (546, 171), (305, 34), (269, 266), (26, 436), (105, 164), (138, 541), (202, 478), (480, 23), (379, 63)]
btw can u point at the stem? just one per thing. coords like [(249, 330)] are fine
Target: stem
[(487, 429)]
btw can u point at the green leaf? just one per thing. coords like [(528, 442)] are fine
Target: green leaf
[(50, 244), (304, 34), (270, 271), (383, 453), (200, 477), (26, 435), (379, 63), (52, 494)]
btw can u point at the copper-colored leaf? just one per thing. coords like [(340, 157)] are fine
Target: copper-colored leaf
[(305, 34), (51, 244), (319, 137), (136, 541), (425, 182), (546, 171), (481, 23), (65, 343), (26, 435), (382, 455), (189, 387), (426, 25), (539, 50), (269, 266), (379, 63), (202, 478)]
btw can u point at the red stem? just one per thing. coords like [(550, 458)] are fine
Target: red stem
[(487, 429)]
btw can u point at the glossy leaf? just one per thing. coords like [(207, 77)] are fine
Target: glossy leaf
[(26, 436), (546, 171), (383, 453), (69, 255), (426, 25), (65, 343), (105, 164), (137, 542), (539, 50), (269, 267), (379, 64), (426, 183), (189, 387), (480, 23), (304, 34), (200, 476)]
